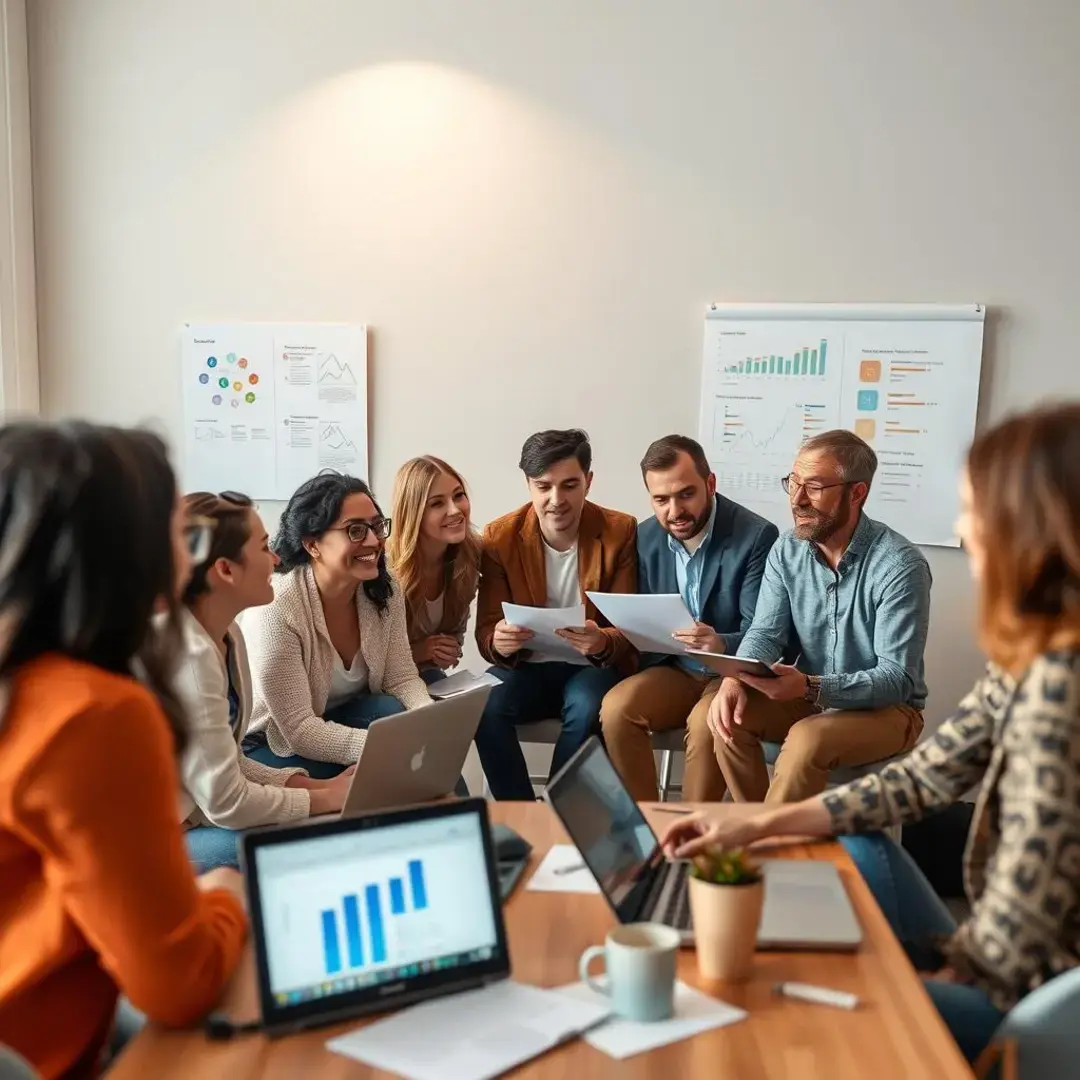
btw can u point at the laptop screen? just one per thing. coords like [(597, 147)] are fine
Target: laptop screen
[(607, 827), (368, 906)]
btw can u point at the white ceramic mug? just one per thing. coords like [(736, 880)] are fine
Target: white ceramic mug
[(640, 961)]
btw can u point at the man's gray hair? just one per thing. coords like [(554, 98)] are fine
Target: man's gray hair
[(856, 457)]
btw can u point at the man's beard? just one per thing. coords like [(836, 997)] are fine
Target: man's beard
[(701, 521), (822, 526)]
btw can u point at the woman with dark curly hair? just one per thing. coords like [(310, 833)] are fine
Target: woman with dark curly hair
[(331, 653)]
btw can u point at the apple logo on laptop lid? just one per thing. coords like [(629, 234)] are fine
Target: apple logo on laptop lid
[(417, 762)]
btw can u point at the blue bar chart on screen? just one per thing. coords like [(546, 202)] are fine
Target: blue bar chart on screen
[(366, 935), (354, 910)]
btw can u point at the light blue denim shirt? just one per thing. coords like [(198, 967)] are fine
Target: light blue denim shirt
[(688, 571), (861, 627)]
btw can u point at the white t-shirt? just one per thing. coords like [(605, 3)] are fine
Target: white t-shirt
[(345, 684), (435, 611), (563, 591), (695, 542)]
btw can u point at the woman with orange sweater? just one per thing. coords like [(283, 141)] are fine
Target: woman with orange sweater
[(98, 895)]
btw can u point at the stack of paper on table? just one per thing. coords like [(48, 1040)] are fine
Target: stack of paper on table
[(543, 622), (647, 620), (471, 1036), (695, 1012)]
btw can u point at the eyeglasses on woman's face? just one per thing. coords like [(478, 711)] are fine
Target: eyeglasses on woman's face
[(357, 531), (198, 535)]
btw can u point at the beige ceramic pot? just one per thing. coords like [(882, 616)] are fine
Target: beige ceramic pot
[(726, 919)]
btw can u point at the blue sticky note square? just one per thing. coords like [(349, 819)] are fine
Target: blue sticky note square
[(867, 400)]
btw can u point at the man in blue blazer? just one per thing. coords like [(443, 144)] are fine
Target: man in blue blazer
[(712, 552)]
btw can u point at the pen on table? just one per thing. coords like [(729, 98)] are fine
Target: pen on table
[(671, 809), (560, 870), (819, 995)]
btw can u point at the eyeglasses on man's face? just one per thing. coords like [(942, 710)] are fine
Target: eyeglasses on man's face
[(814, 488), (357, 531)]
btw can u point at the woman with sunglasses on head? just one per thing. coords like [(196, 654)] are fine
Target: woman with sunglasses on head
[(224, 791), (98, 895), (434, 553), (331, 653), (1016, 736)]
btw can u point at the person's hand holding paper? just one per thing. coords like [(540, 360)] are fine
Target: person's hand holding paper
[(538, 628), (651, 622), (587, 640), (509, 638), (701, 637)]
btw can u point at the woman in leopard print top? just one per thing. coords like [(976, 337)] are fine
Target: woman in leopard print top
[(1016, 736)]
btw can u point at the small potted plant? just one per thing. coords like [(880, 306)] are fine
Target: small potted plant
[(726, 896)]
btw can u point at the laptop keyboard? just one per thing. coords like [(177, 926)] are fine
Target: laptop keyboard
[(672, 904)]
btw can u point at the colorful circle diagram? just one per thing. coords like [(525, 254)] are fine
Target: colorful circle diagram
[(233, 385)]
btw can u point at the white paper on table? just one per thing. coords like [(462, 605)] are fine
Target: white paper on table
[(694, 1012), (461, 682), (473, 1035), (546, 877), (647, 620), (543, 622)]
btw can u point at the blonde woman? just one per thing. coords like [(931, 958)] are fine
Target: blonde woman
[(434, 554)]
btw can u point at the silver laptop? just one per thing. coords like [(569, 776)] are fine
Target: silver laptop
[(415, 756), (806, 905)]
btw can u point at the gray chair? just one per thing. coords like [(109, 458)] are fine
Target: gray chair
[(14, 1066), (1038, 1039)]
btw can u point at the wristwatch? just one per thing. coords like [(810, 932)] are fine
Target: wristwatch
[(813, 689)]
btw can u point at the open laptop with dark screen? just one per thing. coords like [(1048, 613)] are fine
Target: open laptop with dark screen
[(806, 905)]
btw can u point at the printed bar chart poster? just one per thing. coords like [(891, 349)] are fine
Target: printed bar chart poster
[(904, 377), (267, 406)]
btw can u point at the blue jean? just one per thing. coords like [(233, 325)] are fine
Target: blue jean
[(357, 712), (210, 847), (916, 913), (530, 693)]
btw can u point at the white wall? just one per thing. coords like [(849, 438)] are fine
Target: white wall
[(531, 203)]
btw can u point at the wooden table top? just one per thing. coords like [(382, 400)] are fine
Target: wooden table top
[(896, 1034)]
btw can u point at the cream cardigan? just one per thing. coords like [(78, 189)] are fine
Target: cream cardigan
[(292, 661), (219, 785)]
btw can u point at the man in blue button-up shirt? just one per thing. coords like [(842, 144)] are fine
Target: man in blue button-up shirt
[(711, 551), (849, 599)]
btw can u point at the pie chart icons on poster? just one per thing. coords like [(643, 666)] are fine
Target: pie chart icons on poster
[(234, 389)]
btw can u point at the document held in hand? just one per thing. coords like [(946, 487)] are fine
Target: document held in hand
[(647, 620), (543, 622)]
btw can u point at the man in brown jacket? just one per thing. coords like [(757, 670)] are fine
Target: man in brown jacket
[(547, 554)]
